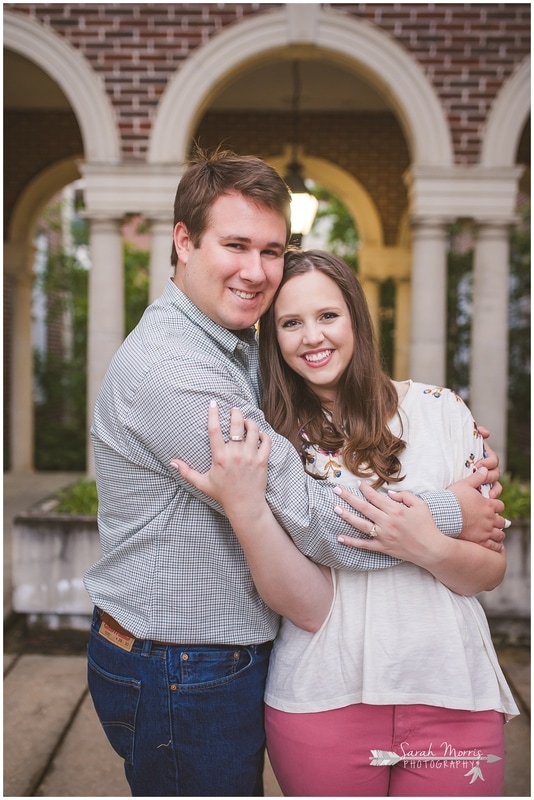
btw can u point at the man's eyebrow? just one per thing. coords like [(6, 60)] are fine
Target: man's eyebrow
[(234, 237)]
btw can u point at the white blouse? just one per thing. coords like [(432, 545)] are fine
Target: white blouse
[(397, 635)]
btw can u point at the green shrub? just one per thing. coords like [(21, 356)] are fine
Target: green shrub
[(79, 498), (516, 497)]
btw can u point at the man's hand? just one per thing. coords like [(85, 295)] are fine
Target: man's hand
[(491, 462), (483, 523)]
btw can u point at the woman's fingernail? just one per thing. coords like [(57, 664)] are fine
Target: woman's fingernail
[(213, 403), (507, 524), (337, 490), (341, 540), (338, 510)]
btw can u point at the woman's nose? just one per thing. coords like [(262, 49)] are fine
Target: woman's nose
[(313, 334)]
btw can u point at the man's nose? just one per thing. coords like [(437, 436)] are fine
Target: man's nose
[(252, 267)]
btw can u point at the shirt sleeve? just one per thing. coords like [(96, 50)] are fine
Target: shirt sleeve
[(169, 417), (445, 510)]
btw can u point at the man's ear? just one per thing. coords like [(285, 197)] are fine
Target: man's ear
[(182, 242)]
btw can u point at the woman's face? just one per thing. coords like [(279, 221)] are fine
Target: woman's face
[(314, 331)]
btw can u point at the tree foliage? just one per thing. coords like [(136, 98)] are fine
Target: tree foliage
[(60, 374)]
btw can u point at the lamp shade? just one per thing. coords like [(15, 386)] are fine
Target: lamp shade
[(303, 204)]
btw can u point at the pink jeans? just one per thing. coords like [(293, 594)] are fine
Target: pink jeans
[(432, 752)]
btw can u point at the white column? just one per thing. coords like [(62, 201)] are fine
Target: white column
[(429, 298), (18, 259), (161, 229), (489, 337), (401, 366), (106, 309)]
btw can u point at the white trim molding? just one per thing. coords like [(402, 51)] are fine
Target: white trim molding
[(506, 119)]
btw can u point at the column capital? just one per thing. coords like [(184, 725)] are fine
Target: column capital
[(479, 192), (119, 189), (496, 226), (102, 220), (429, 220)]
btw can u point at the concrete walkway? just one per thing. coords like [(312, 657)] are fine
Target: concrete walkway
[(53, 743)]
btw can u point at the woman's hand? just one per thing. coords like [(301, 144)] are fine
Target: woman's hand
[(401, 525), (237, 478)]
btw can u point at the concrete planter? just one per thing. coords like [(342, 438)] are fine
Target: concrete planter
[(51, 552)]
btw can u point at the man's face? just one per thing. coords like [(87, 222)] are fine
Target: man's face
[(233, 275)]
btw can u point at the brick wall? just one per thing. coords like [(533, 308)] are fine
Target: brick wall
[(466, 50), (33, 141), (136, 48)]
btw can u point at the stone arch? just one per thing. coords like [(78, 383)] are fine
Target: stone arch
[(506, 119), (36, 195), (356, 44), (70, 70), (349, 190)]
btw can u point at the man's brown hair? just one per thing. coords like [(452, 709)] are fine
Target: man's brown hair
[(210, 175)]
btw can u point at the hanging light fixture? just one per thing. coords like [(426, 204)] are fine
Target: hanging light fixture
[(303, 204)]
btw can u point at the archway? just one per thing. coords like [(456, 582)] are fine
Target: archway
[(92, 109), (74, 76), (507, 119), (356, 44)]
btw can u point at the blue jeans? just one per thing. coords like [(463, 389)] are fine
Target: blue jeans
[(186, 719)]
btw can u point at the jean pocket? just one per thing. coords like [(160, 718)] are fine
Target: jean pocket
[(210, 667), (116, 700)]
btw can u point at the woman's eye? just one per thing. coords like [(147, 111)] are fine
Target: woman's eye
[(330, 315), (290, 323)]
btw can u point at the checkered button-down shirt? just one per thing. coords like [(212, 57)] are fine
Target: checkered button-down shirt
[(172, 568)]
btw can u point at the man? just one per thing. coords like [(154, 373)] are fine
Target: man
[(180, 639)]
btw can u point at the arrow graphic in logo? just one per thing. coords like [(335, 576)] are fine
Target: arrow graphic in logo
[(387, 758)]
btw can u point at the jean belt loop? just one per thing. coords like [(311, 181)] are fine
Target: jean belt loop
[(147, 647)]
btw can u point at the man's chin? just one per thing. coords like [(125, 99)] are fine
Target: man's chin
[(242, 322)]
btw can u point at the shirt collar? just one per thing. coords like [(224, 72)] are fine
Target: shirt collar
[(229, 340)]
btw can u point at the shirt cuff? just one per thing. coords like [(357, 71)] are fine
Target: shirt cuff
[(446, 510)]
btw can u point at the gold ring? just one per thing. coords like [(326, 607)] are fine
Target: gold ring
[(237, 438), (374, 531)]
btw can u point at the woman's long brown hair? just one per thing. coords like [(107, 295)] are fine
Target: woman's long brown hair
[(366, 400)]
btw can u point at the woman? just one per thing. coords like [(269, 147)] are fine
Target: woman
[(397, 691)]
